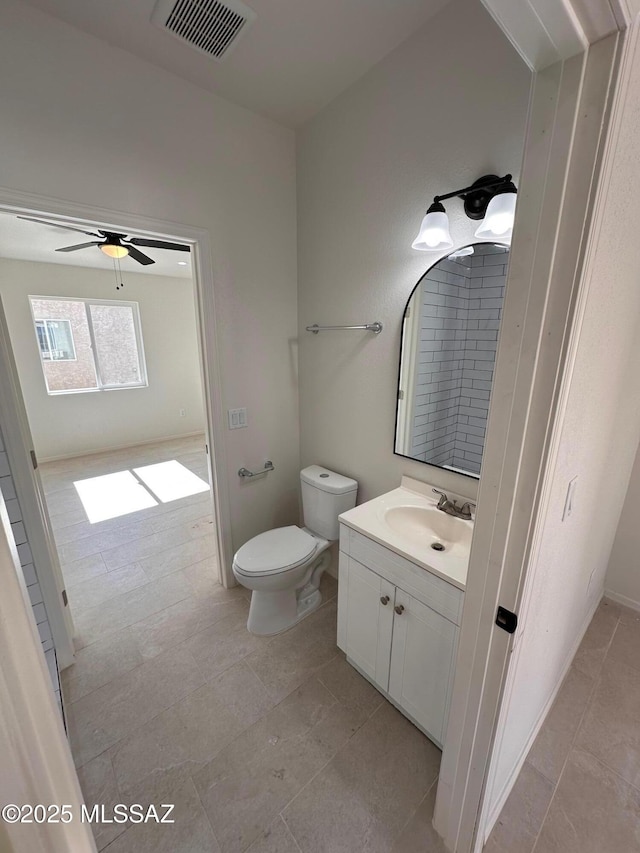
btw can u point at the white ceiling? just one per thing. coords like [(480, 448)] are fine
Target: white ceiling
[(31, 241), (296, 57)]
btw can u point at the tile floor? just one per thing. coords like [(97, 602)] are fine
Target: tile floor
[(579, 789), (265, 745)]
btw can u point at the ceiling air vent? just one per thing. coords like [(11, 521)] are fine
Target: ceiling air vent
[(208, 25)]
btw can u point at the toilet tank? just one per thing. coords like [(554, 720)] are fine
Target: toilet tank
[(325, 495)]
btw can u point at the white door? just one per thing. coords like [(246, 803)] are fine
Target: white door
[(422, 663), (19, 447), (365, 617)]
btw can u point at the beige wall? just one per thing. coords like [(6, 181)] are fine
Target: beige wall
[(622, 581), (86, 122), (436, 114), (82, 423)]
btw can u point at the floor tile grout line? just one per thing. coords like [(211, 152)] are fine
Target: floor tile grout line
[(103, 551), (146, 722), (119, 521), (131, 625), (326, 764), (119, 524), (245, 660), (126, 519), (155, 657), (206, 813), (114, 452), (415, 811), (149, 581), (207, 681), (241, 733), (611, 769), (588, 704), (290, 833)]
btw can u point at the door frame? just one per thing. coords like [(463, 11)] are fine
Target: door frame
[(37, 763), (208, 332), (554, 43), (26, 479)]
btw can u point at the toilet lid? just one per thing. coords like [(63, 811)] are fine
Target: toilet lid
[(274, 551)]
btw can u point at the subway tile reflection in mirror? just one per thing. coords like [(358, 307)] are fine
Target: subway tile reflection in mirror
[(448, 350)]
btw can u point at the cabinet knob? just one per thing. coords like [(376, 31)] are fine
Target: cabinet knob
[(384, 599), (399, 608)]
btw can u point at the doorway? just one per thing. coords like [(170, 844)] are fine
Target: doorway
[(140, 494)]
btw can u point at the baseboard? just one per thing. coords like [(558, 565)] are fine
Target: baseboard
[(44, 459), (511, 781), (622, 599)]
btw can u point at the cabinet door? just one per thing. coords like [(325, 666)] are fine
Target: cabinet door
[(422, 655), (365, 619)]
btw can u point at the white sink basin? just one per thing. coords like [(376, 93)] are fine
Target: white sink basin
[(430, 527), (408, 522)]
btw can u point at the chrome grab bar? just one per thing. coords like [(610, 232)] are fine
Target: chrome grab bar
[(376, 328), (245, 474)]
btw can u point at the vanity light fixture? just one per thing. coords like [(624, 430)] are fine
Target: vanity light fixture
[(491, 199)]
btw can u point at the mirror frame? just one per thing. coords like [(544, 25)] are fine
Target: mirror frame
[(413, 290)]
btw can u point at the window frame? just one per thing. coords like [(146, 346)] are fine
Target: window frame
[(45, 321), (87, 302)]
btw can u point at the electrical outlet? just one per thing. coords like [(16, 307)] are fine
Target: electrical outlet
[(237, 418), (183, 413)]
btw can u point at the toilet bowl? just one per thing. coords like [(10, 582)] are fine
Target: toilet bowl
[(283, 566)]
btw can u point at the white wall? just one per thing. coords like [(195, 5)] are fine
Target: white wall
[(446, 107), (89, 123), (622, 581), (68, 424)]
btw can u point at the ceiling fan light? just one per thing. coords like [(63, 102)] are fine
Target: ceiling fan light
[(114, 251), (498, 220), (433, 235)]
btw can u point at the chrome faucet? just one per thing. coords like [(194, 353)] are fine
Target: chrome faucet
[(449, 505)]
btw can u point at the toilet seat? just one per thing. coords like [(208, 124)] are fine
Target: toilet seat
[(275, 551)]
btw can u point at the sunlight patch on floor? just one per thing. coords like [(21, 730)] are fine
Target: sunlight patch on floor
[(170, 481), (112, 495)]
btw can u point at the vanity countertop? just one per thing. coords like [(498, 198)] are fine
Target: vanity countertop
[(407, 521)]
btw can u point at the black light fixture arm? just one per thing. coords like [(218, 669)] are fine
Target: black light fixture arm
[(488, 182), (477, 196)]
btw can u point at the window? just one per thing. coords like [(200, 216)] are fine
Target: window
[(56, 340), (88, 344)]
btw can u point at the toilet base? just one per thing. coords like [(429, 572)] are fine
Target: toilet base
[(274, 612)]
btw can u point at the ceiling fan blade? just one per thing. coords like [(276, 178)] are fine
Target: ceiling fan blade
[(158, 244), (58, 225), (79, 246), (139, 256)]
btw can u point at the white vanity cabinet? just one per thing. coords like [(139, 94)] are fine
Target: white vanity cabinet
[(398, 625)]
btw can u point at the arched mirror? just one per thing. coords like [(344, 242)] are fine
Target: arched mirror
[(447, 357)]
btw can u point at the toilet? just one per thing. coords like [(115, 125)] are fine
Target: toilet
[(283, 566)]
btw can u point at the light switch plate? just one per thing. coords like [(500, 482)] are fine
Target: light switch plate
[(237, 418)]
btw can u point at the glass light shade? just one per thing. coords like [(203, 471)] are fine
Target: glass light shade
[(114, 251), (434, 233), (498, 220)]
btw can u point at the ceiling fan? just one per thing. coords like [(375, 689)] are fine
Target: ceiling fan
[(114, 244)]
